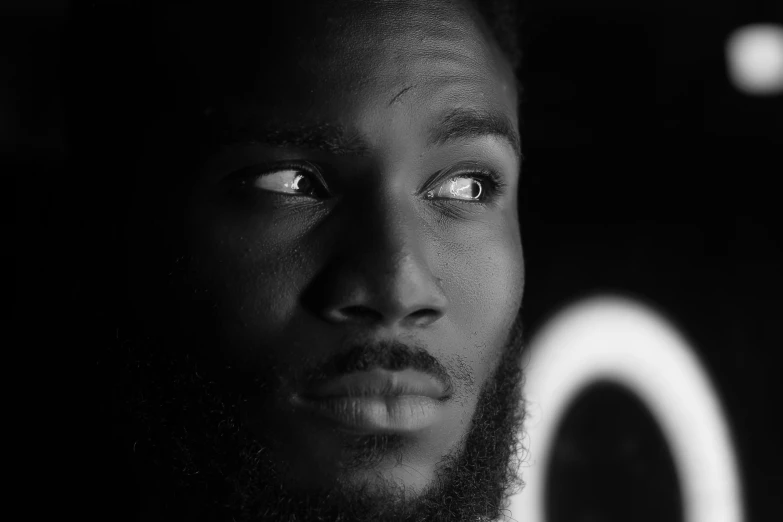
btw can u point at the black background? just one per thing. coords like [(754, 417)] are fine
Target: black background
[(646, 173), (649, 175)]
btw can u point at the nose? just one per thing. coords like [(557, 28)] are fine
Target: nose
[(380, 273)]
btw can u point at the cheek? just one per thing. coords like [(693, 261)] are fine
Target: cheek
[(486, 284), (486, 278), (499, 290), (253, 278)]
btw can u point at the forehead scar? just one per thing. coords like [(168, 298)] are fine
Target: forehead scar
[(396, 98)]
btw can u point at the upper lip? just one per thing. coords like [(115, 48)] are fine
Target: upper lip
[(379, 382)]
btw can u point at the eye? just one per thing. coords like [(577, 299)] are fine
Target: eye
[(287, 181), (463, 187), (292, 180)]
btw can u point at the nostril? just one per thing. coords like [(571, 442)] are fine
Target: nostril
[(361, 313), (368, 315), (424, 317)]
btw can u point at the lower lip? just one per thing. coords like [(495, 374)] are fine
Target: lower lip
[(404, 413)]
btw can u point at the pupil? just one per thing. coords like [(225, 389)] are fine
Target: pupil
[(300, 183)]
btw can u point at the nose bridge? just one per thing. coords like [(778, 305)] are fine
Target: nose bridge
[(382, 271), (388, 236)]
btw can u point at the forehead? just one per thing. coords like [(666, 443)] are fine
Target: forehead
[(387, 72), (368, 44), (366, 65)]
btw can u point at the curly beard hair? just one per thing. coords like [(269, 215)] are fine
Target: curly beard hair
[(181, 421)]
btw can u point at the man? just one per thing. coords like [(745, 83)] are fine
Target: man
[(325, 265)]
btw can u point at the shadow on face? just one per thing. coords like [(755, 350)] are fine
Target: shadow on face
[(340, 198)]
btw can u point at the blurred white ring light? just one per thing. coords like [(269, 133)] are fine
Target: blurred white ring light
[(754, 59), (623, 341)]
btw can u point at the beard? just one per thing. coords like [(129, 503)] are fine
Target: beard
[(180, 417)]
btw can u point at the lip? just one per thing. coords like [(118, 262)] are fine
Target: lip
[(378, 382), (376, 401), (376, 414)]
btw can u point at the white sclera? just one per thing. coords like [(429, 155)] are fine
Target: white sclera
[(754, 59)]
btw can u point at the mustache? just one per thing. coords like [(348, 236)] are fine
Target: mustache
[(390, 355)]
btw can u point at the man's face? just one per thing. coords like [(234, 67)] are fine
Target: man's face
[(359, 213)]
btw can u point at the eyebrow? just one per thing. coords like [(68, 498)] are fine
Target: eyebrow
[(328, 137), (458, 124), (469, 123)]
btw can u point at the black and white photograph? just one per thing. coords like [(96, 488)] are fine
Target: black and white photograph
[(395, 260)]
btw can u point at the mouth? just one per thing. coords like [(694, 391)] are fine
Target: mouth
[(376, 401)]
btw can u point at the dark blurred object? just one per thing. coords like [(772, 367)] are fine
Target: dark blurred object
[(611, 462)]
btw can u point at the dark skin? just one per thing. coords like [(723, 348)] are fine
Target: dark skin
[(327, 228)]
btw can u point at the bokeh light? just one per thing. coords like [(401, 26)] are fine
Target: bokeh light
[(619, 340), (754, 59)]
